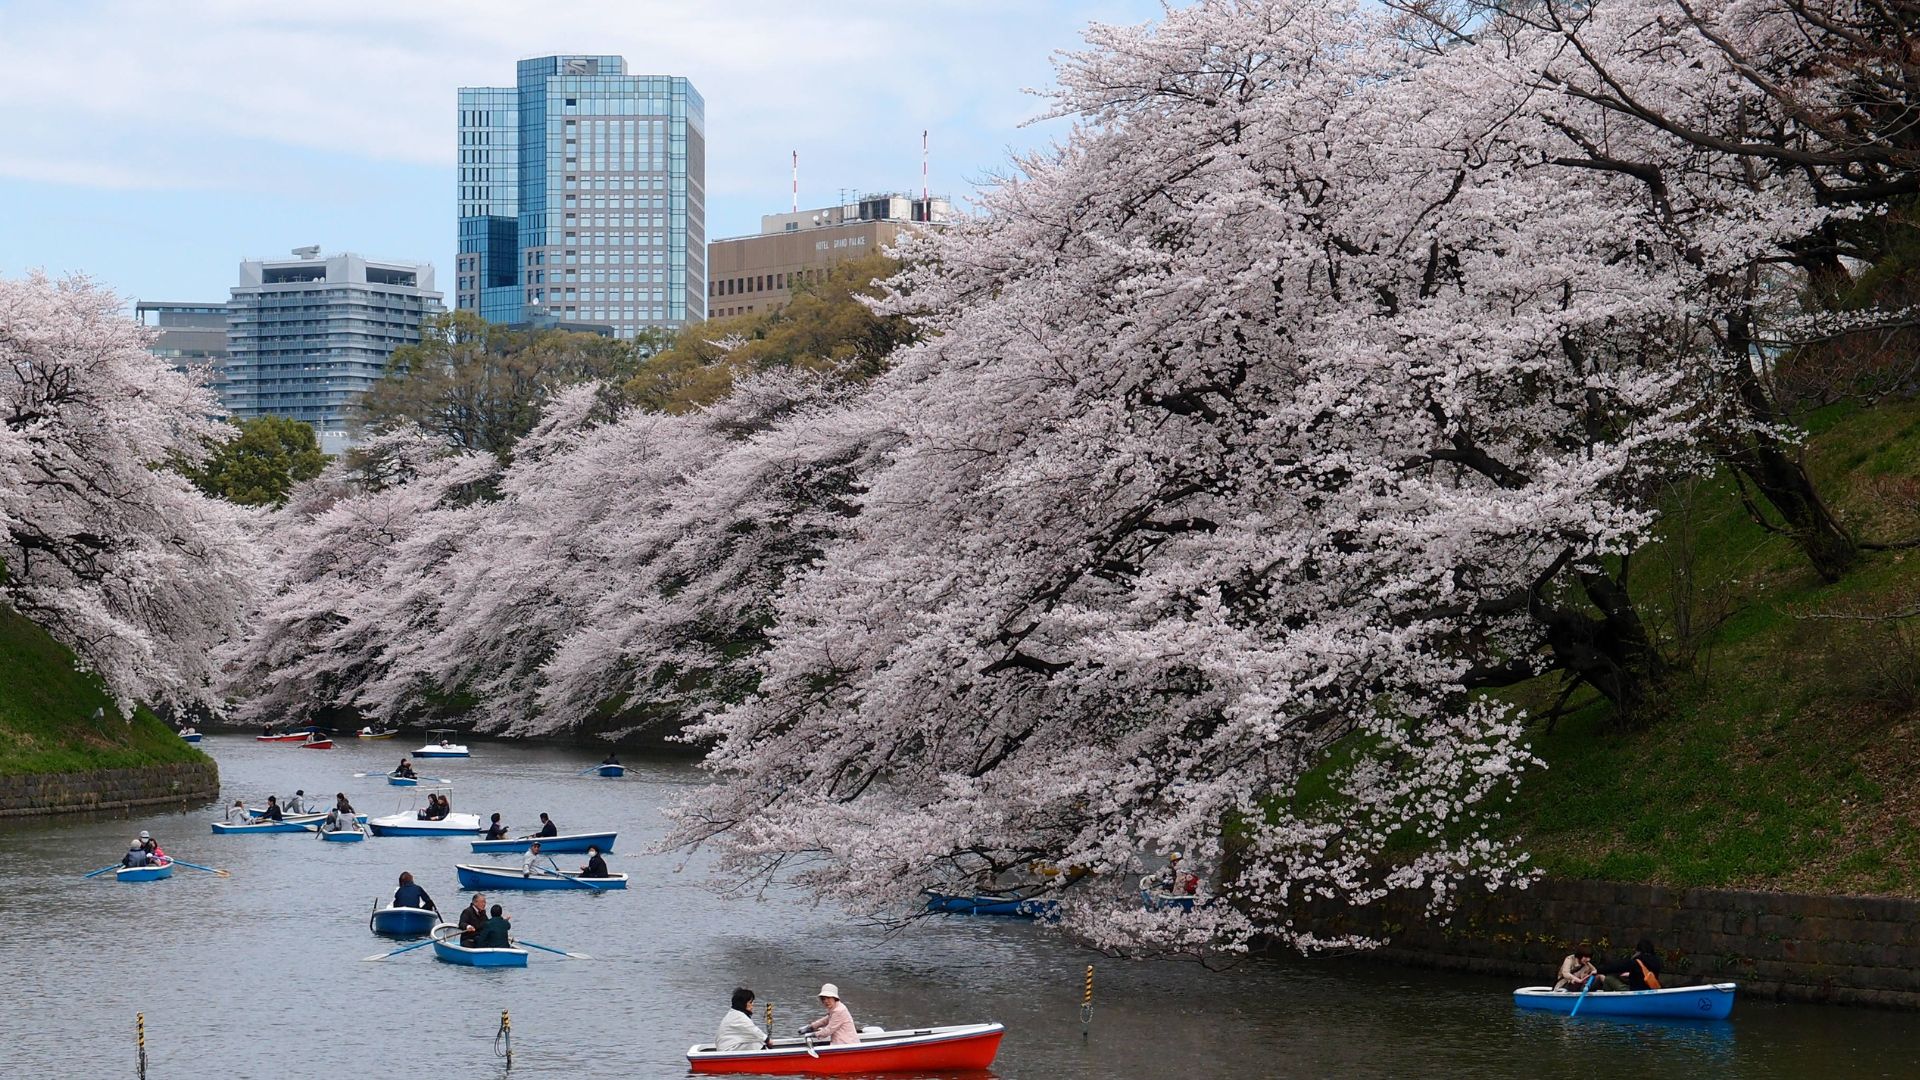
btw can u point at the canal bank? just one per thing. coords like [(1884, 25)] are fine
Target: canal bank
[(1846, 950), (65, 747)]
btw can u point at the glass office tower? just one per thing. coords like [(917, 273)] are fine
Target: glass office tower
[(583, 197)]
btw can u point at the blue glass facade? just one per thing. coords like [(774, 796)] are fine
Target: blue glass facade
[(602, 177)]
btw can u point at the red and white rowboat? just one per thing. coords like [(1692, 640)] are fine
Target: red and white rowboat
[(962, 1046), (291, 736), (317, 744)]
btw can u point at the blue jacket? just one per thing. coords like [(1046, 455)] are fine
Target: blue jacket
[(411, 895)]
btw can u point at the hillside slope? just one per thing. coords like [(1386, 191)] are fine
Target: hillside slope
[(47, 713), (1786, 754)]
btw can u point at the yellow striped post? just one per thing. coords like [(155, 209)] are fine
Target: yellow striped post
[(140, 1041), (1086, 1003), (506, 1035)]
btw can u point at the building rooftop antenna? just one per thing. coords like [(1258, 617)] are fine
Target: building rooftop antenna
[(923, 164), (796, 181)]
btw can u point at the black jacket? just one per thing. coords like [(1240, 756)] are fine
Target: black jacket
[(549, 829), (471, 922), (1630, 971)]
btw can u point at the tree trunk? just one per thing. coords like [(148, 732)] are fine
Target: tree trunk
[(1612, 652)]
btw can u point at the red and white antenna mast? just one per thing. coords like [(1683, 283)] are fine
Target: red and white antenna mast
[(796, 181)]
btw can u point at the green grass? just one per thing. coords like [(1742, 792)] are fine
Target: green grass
[(1787, 754), (47, 708)]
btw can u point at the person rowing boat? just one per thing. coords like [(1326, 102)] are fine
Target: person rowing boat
[(497, 829), (737, 1029), (837, 1025), (404, 770), (412, 895)]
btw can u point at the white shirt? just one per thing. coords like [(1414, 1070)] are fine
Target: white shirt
[(739, 1032), (238, 815)]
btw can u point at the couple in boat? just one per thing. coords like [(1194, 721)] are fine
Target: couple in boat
[(1639, 970), (739, 1032)]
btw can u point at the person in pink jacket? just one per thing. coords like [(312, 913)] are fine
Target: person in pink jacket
[(837, 1025)]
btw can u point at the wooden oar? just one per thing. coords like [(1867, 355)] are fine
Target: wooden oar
[(398, 951), (102, 870), (197, 866), (548, 948), (1583, 998)]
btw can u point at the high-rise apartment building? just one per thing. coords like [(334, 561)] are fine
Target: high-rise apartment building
[(307, 335), (758, 273), (583, 197), (192, 334)]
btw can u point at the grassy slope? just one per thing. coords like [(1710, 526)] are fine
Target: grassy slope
[(1788, 756), (46, 712)]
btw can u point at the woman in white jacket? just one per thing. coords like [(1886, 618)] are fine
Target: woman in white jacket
[(737, 1029)]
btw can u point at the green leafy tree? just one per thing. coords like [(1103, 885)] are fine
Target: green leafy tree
[(259, 466), (482, 385), (824, 327)]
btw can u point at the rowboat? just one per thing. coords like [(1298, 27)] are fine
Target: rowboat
[(510, 877), (922, 1050), (144, 873), (369, 733), (190, 735), (446, 947), (1155, 896), (395, 780), (317, 744), (553, 844), (289, 823), (612, 770), (402, 921), (1002, 904), (261, 812), (343, 836), (1710, 1001), (409, 824), (285, 736)]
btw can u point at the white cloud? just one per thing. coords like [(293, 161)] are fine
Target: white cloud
[(185, 93)]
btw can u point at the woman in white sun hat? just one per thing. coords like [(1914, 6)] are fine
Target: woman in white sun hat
[(837, 1025)]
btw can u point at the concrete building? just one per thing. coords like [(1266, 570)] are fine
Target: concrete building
[(758, 273), (583, 197), (192, 334), (307, 335)]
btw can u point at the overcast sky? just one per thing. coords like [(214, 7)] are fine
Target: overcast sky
[(153, 145)]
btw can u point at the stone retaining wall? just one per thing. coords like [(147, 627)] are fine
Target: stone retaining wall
[(108, 789), (1842, 949)]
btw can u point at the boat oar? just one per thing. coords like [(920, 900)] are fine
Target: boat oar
[(1583, 998), (197, 866), (586, 770), (811, 1052), (102, 870), (398, 951), (548, 948)]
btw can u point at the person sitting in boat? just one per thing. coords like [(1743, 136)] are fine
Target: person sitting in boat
[(472, 918), (152, 847), (1640, 970), (612, 759), (272, 812), (337, 821), (267, 731), (837, 1026), (136, 855), (297, 802), (737, 1029), (596, 866), (547, 827), (341, 804), (411, 895), (237, 813), (496, 829), (1576, 969), (497, 933), (405, 770), (437, 808), (533, 862)]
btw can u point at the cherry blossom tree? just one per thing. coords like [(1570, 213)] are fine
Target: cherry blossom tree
[(119, 559), (1290, 402)]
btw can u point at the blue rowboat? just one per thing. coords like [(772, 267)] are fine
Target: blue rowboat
[(256, 811), (1012, 907), (489, 878), (144, 873), (343, 836), (290, 823), (190, 736), (613, 770), (402, 921), (565, 842), (447, 947), (402, 781), (409, 824), (1711, 1001)]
